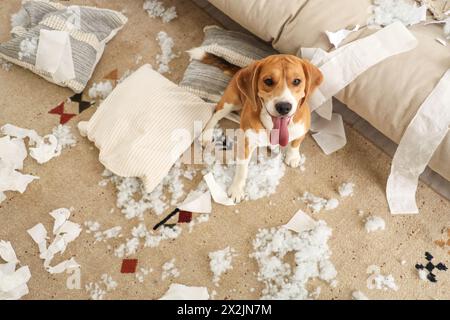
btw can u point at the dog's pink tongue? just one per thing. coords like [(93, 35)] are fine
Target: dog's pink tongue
[(280, 132)]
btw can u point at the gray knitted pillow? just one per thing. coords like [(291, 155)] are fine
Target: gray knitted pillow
[(89, 29), (240, 49)]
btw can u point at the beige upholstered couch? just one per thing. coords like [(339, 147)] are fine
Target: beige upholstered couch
[(387, 95)]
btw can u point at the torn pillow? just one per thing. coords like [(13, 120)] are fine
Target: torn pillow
[(145, 125)]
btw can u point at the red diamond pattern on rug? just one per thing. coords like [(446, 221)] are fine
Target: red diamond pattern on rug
[(184, 217), (63, 117), (129, 266)]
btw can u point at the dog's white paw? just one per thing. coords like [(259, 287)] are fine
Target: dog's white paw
[(236, 192), (207, 137), (292, 159)]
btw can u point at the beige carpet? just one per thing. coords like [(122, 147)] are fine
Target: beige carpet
[(71, 180)]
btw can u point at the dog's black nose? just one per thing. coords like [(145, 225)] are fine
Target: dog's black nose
[(283, 108)]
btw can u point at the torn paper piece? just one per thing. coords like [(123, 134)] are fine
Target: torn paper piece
[(7, 252), (198, 202), (421, 139), (337, 37), (46, 149), (54, 55), (329, 135), (358, 295), (218, 194), (65, 231), (60, 215), (63, 266), (39, 235), (17, 132), (12, 152), (181, 292), (2, 197), (300, 222), (13, 283), (12, 180)]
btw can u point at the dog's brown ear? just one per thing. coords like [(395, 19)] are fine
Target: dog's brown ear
[(314, 78), (247, 83)]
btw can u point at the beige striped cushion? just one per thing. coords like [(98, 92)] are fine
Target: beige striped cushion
[(209, 82), (137, 127)]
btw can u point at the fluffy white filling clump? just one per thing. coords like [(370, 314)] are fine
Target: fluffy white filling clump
[(156, 9), (98, 290), (374, 223), (64, 136), (92, 226), (385, 12), (316, 204), (358, 295), (346, 189), (166, 43), (170, 270), (100, 90), (134, 201), (28, 47), (382, 282), (311, 260), (422, 274), (110, 233), (264, 175), (220, 262), (142, 273)]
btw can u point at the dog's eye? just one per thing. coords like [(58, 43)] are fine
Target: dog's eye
[(296, 82), (268, 82)]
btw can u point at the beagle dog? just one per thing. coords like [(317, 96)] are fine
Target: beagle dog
[(272, 95)]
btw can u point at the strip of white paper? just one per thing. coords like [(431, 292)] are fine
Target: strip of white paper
[(329, 135), (424, 134), (54, 55), (181, 292), (300, 222), (345, 64), (219, 195), (337, 37), (197, 202)]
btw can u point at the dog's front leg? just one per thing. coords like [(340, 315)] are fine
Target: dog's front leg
[(292, 157), (237, 188), (222, 110)]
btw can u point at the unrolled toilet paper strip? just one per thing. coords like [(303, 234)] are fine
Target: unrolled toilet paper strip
[(329, 135), (54, 55), (345, 64), (421, 139)]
